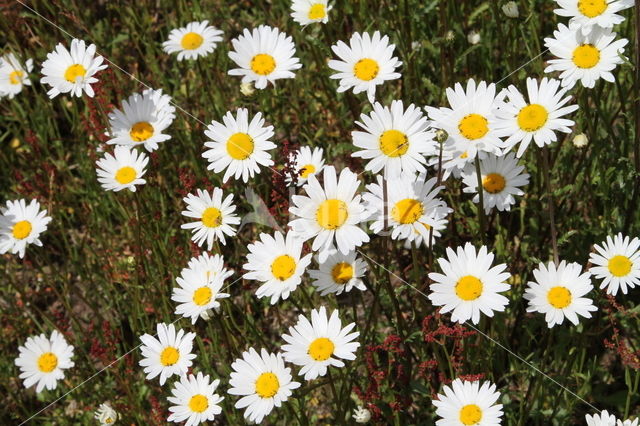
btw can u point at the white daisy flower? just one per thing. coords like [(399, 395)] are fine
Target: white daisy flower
[(585, 14), (320, 343), (628, 422), (42, 360), (239, 146), (214, 217), (469, 284), (340, 273), (195, 40), (213, 265), (330, 213), (72, 71), (470, 121), (306, 12), (123, 170), (142, 120), (277, 263), (558, 293), (106, 415), (601, 419), (21, 225), (367, 62), (194, 400), (413, 207), (394, 139), (468, 403), (617, 263), (200, 288), (584, 58), (168, 354), (263, 382), (502, 178), (538, 119), (263, 56), (13, 75), (305, 163)]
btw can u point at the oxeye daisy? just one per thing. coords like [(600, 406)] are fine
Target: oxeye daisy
[(21, 225), (558, 293), (468, 403), (585, 14), (320, 343), (584, 58), (72, 71), (305, 163), (143, 119), (213, 265), (263, 381), (628, 422), (168, 354), (277, 263), (194, 400), (502, 178), (199, 291), (469, 284), (454, 160), (413, 207), (43, 359), (306, 12), (330, 213), (263, 56), (239, 146), (617, 263), (214, 216), (394, 139), (106, 415), (195, 40), (470, 121), (601, 419), (13, 75), (340, 273), (122, 170), (538, 119), (365, 63)]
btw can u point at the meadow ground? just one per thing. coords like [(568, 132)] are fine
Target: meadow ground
[(109, 260)]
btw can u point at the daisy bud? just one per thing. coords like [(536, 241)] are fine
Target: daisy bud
[(247, 89), (580, 141), (450, 35), (361, 415), (441, 136), (511, 9), (473, 37)]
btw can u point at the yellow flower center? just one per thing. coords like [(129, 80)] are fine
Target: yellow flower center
[(198, 403), (586, 56), (493, 183), (366, 69), (47, 362), (307, 170), (592, 8), (267, 385), (212, 217), (263, 64), (321, 349), (141, 131), (191, 41), (470, 414), (469, 288), (202, 296), (464, 155), (342, 272), (407, 211), (74, 72), (532, 117), (620, 265), (317, 11), (394, 143), (109, 420), (16, 77), (283, 267), (21, 230), (240, 146), (559, 297), (125, 175), (332, 214), (473, 126), (169, 356)]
